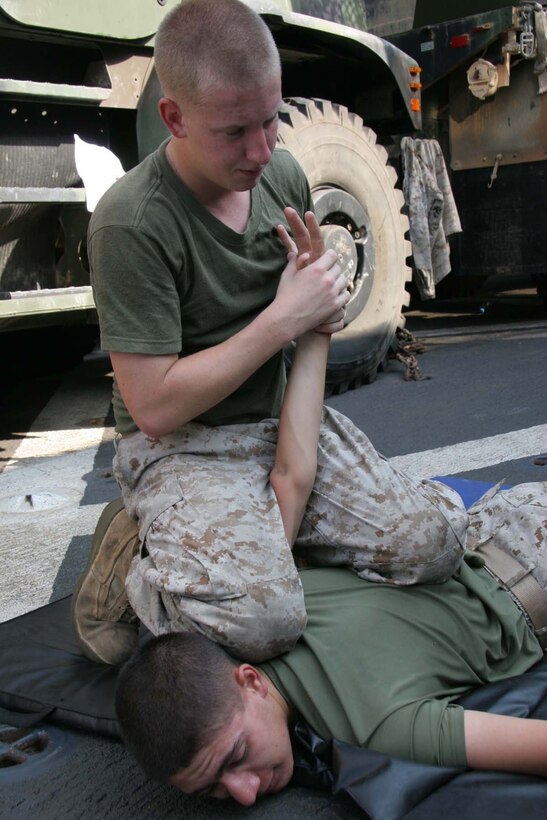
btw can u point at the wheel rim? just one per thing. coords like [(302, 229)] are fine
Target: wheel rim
[(336, 208)]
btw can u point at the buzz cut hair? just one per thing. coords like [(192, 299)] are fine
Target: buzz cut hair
[(202, 44), (173, 697)]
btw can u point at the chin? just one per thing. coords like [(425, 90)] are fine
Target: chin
[(248, 181)]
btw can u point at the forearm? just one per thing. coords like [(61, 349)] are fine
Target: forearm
[(505, 743), (164, 392), (295, 464)]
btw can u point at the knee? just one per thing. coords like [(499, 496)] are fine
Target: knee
[(269, 621), (430, 554), (441, 540), (441, 552)]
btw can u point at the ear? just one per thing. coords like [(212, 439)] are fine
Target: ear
[(172, 117), (250, 680)]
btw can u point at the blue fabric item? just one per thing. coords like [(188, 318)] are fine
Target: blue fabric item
[(469, 489)]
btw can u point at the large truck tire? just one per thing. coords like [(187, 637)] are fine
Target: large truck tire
[(353, 187)]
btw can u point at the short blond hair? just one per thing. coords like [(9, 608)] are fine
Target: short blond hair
[(201, 44)]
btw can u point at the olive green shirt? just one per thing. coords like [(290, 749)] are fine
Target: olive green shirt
[(169, 277), (379, 666)]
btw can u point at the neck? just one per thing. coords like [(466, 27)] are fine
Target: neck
[(233, 208), (278, 698)]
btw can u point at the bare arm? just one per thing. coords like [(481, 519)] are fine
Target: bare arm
[(507, 744), (295, 464), (164, 392)]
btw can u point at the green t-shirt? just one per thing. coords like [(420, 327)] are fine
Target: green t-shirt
[(379, 666), (169, 277)]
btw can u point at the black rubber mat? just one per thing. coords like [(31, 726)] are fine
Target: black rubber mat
[(44, 678)]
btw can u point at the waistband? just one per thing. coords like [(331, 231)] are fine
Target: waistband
[(522, 586)]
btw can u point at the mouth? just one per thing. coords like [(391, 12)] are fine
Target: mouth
[(271, 785), (251, 172), (277, 782)]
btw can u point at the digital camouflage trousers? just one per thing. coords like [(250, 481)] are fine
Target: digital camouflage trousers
[(514, 522), (215, 558)]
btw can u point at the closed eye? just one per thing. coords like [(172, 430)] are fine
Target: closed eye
[(241, 758), (236, 760)]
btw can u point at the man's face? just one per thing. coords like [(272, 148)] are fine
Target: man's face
[(250, 757), (228, 139)]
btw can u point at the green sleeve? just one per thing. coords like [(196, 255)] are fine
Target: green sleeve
[(135, 292), (430, 731)]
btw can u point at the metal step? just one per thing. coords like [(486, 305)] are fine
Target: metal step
[(54, 91), (35, 195), (54, 300)]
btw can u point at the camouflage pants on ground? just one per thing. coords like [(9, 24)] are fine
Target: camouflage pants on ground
[(215, 557)]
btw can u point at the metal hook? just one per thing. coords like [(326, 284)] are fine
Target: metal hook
[(499, 158)]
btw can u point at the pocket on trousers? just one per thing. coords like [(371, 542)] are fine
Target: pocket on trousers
[(188, 555)]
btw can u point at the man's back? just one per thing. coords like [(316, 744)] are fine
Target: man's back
[(379, 665)]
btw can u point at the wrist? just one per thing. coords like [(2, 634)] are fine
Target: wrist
[(314, 338), (271, 324)]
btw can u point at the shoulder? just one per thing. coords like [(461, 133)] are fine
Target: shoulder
[(285, 181), (284, 167), (125, 202)]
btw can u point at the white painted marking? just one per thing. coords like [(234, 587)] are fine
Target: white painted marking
[(473, 455)]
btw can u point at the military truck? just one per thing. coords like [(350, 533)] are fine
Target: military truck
[(484, 97), (87, 69)]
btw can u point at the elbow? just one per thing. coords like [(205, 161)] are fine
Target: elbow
[(151, 430), (156, 422), (152, 424), (297, 483)]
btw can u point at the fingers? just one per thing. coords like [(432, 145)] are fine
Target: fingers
[(283, 234), (299, 231), (302, 261), (337, 317), (329, 329), (306, 235), (313, 292), (316, 237), (334, 324)]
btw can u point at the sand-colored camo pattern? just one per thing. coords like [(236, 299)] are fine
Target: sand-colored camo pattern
[(215, 557), (515, 521)]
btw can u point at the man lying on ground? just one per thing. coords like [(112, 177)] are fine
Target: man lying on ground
[(377, 666)]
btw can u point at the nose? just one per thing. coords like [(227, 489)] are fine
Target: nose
[(242, 786), (259, 148)]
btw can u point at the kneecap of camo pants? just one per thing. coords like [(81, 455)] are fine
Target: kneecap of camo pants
[(389, 527), (215, 557)]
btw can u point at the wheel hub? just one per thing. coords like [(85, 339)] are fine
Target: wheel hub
[(345, 225), (341, 241)]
